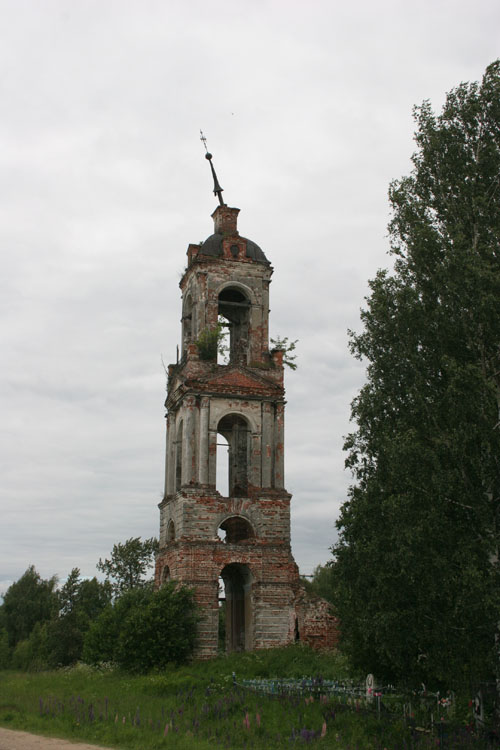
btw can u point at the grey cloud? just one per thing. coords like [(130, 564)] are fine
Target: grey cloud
[(103, 185)]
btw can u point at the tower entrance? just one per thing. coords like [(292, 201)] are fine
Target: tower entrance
[(238, 597)]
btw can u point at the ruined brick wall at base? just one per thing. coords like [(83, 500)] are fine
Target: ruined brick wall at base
[(274, 576), (317, 626), (281, 610)]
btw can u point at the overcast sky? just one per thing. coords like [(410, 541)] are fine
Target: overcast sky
[(307, 108)]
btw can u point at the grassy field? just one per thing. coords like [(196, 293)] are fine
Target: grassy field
[(197, 706)]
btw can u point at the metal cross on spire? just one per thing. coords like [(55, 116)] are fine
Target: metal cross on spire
[(208, 155)]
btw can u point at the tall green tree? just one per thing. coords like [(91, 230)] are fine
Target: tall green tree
[(129, 563), (28, 601), (80, 603), (416, 564)]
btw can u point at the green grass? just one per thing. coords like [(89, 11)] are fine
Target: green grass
[(195, 706)]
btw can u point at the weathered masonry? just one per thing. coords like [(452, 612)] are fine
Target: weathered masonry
[(231, 532)]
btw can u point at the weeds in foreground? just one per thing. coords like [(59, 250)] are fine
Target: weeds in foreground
[(199, 706)]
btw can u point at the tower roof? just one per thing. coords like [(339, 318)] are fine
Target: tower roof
[(213, 246), (225, 226)]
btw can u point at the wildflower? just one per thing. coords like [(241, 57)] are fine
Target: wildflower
[(165, 731), (307, 735), (323, 729), (246, 721), (257, 719)]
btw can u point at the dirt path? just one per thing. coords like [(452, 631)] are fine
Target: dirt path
[(10, 740)]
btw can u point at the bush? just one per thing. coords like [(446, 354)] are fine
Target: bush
[(145, 629), (65, 640), (100, 640), (5, 655), (31, 654), (211, 342)]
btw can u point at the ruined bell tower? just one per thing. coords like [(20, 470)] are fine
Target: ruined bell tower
[(232, 530)]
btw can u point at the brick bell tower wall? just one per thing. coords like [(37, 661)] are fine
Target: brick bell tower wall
[(238, 541)]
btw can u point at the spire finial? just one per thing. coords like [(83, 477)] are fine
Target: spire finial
[(208, 155)]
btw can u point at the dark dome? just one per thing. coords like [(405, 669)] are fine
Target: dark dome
[(213, 246)]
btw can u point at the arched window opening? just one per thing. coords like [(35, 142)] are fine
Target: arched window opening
[(165, 575), (187, 322), (237, 529), (235, 308), (236, 431), (178, 458), (238, 601), (170, 531), (222, 477)]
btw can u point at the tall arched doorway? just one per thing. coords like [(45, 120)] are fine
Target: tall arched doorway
[(238, 595)]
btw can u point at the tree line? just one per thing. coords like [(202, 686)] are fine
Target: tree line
[(121, 619)]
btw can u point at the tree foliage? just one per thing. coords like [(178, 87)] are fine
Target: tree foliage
[(213, 341), (129, 564), (287, 347), (45, 627), (145, 629), (5, 655), (28, 601), (321, 582), (80, 603), (416, 572)]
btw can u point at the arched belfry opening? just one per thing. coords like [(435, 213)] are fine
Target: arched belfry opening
[(236, 529), (238, 597), (234, 307), (235, 429)]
